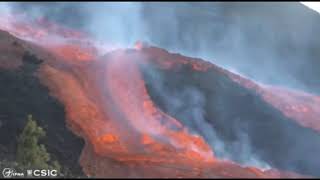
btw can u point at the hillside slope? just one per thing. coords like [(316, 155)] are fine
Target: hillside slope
[(132, 129)]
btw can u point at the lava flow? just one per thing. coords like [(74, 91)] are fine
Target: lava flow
[(107, 104)]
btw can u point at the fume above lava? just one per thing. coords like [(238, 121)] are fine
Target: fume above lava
[(113, 100)]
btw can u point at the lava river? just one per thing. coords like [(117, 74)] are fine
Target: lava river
[(107, 103)]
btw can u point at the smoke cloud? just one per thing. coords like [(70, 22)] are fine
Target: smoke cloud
[(269, 42), (114, 23), (189, 103), (236, 122), (4, 8)]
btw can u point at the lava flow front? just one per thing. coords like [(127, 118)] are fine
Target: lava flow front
[(108, 105)]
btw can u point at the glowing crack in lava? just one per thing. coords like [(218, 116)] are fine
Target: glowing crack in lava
[(107, 104)]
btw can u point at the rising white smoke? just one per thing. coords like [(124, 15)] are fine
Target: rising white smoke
[(4, 8), (244, 36), (234, 39), (189, 102)]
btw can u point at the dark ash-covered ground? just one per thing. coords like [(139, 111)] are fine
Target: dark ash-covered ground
[(235, 113), (23, 94)]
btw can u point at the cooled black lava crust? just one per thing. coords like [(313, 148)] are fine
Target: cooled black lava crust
[(233, 111)]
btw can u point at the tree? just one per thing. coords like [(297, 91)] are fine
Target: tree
[(31, 154)]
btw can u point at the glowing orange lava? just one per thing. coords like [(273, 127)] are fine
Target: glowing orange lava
[(107, 104)]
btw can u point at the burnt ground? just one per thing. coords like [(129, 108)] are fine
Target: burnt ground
[(240, 118), (23, 94)]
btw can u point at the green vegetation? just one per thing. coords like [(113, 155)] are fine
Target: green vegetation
[(31, 154)]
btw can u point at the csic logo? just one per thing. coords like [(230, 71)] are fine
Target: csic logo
[(8, 173), (42, 173)]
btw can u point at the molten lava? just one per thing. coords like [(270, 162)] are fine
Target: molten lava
[(300, 106), (107, 104)]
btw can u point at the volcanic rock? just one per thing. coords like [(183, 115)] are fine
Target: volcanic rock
[(118, 104)]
